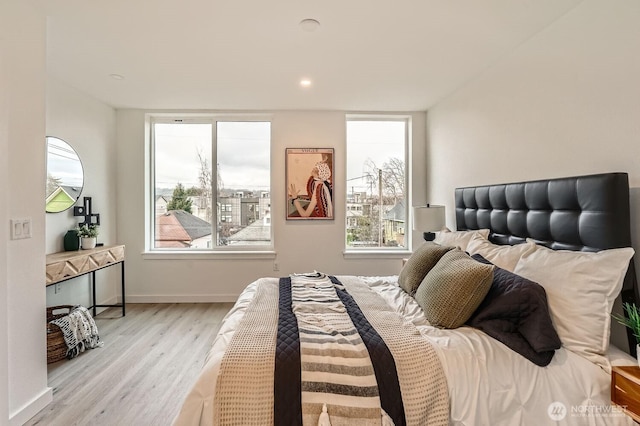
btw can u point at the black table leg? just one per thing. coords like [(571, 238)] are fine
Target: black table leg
[(122, 282), (93, 291)]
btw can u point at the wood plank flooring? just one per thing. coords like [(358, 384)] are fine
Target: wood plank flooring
[(149, 362)]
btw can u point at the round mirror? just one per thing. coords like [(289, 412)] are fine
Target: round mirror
[(65, 176)]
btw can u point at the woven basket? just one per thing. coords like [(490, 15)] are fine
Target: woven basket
[(56, 346)]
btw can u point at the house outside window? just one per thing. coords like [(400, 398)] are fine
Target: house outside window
[(200, 178), (377, 181)]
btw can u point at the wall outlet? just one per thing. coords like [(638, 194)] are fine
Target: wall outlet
[(276, 267), (56, 288)]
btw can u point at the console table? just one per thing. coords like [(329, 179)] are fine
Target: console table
[(65, 265)]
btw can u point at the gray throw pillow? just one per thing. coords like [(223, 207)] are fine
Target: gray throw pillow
[(453, 289), (420, 262)]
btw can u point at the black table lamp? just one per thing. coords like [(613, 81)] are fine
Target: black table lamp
[(428, 219)]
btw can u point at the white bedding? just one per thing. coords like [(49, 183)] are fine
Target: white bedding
[(488, 383)]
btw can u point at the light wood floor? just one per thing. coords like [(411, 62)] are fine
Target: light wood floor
[(149, 361)]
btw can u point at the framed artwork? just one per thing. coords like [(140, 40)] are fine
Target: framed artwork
[(309, 176)]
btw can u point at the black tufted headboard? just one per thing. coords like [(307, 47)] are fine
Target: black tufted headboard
[(587, 213)]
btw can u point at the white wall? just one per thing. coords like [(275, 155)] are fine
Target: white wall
[(566, 103), (23, 373), (89, 126), (300, 245), (4, 219)]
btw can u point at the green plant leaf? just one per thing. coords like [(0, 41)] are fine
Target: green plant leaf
[(631, 319)]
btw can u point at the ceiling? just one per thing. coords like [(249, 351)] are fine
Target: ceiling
[(367, 55)]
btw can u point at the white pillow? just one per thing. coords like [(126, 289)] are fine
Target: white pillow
[(503, 256), (581, 288), (458, 239)]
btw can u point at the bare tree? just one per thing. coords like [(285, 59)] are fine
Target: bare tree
[(220, 182), (393, 178), (204, 179), (387, 186)]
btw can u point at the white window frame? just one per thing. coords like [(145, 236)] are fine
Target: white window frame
[(235, 251), (368, 252)]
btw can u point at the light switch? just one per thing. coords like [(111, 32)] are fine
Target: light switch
[(20, 228), (16, 229), (26, 228)]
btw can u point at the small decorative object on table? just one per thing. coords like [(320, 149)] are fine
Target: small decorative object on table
[(86, 211), (71, 240), (631, 320), (88, 235)]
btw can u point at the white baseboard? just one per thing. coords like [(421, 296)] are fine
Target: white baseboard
[(22, 415), (182, 298)]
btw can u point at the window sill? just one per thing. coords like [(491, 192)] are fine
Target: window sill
[(209, 255), (376, 254)]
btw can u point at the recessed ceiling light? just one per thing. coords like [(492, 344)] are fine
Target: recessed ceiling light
[(305, 82), (116, 76), (309, 24)]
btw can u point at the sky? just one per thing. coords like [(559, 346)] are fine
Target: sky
[(243, 152), (374, 140), (63, 163)]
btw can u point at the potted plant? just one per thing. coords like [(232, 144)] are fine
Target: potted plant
[(631, 320), (88, 235)]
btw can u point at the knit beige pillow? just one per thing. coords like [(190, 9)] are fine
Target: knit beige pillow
[(453, 289), (420, 262)]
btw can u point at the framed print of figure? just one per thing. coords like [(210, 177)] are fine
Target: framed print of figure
[(309, 176)]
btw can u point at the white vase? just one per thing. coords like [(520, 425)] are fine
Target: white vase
[(638, 353), (88, 242)]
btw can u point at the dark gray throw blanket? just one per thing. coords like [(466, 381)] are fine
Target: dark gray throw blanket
[(515, 312)]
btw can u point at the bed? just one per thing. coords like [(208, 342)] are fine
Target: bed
[(560, 246)]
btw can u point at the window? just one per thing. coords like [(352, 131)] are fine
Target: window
[(209, 177), (377, 197)]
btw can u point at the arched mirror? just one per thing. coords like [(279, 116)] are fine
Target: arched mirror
[(65, 176)]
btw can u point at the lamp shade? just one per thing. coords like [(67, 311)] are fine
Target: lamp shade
[(428, 218)]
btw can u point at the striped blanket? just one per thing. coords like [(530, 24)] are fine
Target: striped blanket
[(312, 342)]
